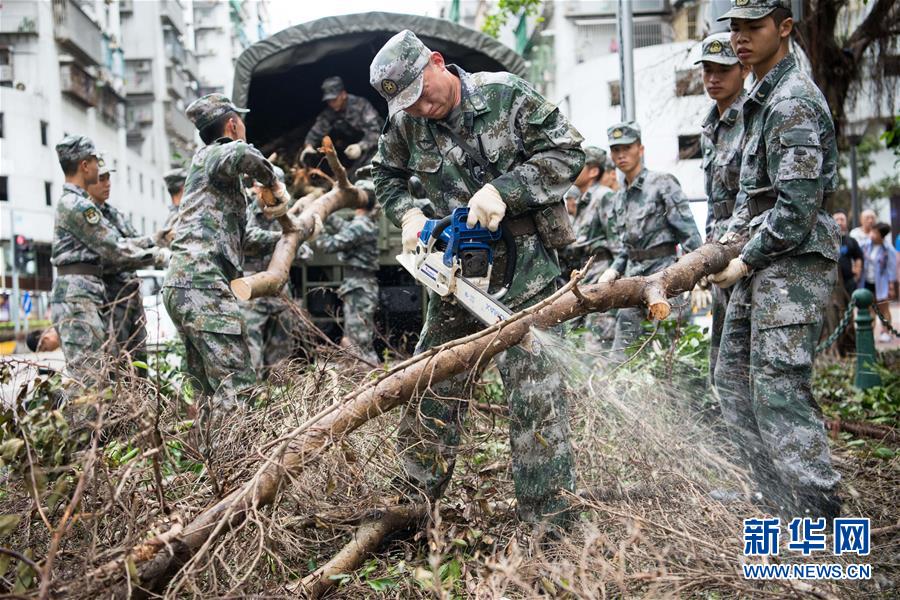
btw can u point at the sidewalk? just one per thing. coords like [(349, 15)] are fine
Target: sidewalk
[(894, 344)]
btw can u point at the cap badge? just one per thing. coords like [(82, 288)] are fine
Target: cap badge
[(741, 2), (389, 86), (617, 133), (715, 47)]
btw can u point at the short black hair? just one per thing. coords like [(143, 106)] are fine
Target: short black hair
[(69, 167), (601, 167), (883, 228), (780, 14), (174, 188), (840, 211), (33, 338), (214, 130)]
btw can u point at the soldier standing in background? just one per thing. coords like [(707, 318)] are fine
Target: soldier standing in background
[(84, 245), (273, 326), (723, 133), (652, 216), (490, 142), (208, 248), (785, 274), (352, 123), (174, 179), (124, 302), (587, 183), (356, 243)]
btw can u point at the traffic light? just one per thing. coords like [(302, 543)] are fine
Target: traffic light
[(24, 252)]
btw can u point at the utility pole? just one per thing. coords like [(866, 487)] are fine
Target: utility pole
[(625, 23)]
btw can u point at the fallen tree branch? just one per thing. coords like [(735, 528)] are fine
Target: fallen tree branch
[(342, 195), (306, 443), (870, 430)]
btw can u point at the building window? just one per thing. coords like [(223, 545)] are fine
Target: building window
[(152, 191), (1, 125), (141, 182), (143, 225), (48, 193), (128, 176), (44, 126), (615, 93), (689, 82), (693, 31), (689, 147), (4, 190)]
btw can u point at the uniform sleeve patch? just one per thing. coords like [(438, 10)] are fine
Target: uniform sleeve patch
[(801, 155), (91, 215)]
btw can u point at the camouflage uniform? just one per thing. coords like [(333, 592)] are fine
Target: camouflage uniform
[(207, 253), (84, 244), (575, 255), (356, 243), (538, 154), (600, 239), (721, 148), (652, 215), (174, 181), (357, 123), (774, 317), (273, 326)]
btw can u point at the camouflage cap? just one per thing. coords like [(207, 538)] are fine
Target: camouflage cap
[(332, 88), (716, 48), (572, 193), (396, 71), (105, 167), (75, 148), (624, 133), (594, 156), (753, 9), (205, 110), (174, 179)]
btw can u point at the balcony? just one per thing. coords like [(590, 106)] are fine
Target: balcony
[(175, 52), (109, 107), (76, 32), (190, 64), (172, 13), (176, 82), (19, 16), (139, 77), (139, 114), (205, 15), (78, 84), (178, 124)]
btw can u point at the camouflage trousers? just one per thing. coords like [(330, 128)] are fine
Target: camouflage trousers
[(360, 298), (628, 320), (764, 376), (212, 327), (542, 459), (719, 305), (128, 322), (81, 326), (601, 326), (272, 331)]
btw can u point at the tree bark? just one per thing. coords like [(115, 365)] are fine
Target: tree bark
[(342, 195), (159, 562)]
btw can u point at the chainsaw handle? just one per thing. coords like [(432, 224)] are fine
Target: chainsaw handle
[(512, 256)]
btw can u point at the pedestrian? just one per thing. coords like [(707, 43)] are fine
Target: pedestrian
[(720, 143), (850, 263), (274, 325), (488, 141), (355, 241), (867, 220), (352, 123), (85, 244), (210, 239), (880, 273), (124, 305), (652, 217), (784, 275)]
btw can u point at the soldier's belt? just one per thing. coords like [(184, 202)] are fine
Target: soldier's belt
[(78, 269), (521, 225), (723, 209), (667, 249)]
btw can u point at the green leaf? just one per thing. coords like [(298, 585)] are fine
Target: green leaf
[(8, 523), (10, 448), (381, 584), (883, 452), (139, 364)]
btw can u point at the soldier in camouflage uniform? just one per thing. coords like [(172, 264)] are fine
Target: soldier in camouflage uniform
[(785, 273), (211, 236), (273, 325), (527, 155), (124, 302), (586, 185), (352, 123), (723, 131), (652, 216), (84, 245), (356, 243), (174, 179)]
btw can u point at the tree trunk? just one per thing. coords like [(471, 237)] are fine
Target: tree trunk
[(158, 562)]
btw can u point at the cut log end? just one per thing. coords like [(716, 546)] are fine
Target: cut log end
[(242, 289), (660, 310)]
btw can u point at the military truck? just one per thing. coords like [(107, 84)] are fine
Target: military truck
[(278, 79)]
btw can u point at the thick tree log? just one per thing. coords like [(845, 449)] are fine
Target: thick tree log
[(158, 563), (342, 195)]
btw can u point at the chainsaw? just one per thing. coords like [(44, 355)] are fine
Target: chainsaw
[(456, 263)]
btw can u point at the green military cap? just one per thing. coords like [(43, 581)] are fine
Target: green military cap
[(332, 88), (396, 71), (716, 48), (623, 133), (75, 148), (594, 156), (105, 167), (174, 179), (205, 110), (753, 9)]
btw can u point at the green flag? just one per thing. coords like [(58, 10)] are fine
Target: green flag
[(454, 11)]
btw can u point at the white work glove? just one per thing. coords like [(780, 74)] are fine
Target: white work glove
[(486, 207), (701, 298), (411, 224), (161, 257), (353, 151), (728, 237), (282, 199), (727, 277), (609, 276)]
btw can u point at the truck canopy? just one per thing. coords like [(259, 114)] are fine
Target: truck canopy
[(278, 78)]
